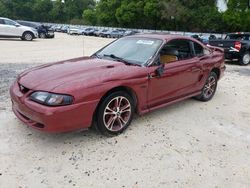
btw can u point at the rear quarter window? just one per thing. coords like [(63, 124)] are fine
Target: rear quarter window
[(199, 50)]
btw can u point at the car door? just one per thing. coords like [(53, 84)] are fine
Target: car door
[(180, 73), (203, 54), (11, 28), (2, 28)]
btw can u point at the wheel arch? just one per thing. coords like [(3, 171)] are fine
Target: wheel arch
[(126, 89), (216, 71), (27, 31)]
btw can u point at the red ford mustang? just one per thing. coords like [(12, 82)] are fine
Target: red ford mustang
[(135, 74)]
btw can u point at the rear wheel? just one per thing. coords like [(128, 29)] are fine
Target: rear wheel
[(115, 113), (245, 59), (209, 89)]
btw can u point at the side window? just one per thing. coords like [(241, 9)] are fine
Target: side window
[(9, 22), (2, 22), (198, 49), (176, 50)]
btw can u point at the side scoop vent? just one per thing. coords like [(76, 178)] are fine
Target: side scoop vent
[(110, 66), (23, 89)]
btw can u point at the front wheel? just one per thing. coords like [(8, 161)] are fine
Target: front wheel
[(115, 113), (209, 89), (43, 35), (28, 36), (245, 59)]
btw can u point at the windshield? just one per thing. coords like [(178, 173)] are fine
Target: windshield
[(134, 50)]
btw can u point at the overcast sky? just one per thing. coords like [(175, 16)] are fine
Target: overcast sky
[(222, 5)]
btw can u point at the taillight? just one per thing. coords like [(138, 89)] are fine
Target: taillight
[(237, 45)]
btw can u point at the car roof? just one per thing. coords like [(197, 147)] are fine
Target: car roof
[(29, 22), (161, 36), (239, 33), (5, 18)]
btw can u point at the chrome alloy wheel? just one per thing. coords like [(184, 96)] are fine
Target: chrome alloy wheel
[(28, 37), (117, 114), (246, 59), (210, 87)]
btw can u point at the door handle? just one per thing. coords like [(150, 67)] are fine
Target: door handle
[(152, 75)]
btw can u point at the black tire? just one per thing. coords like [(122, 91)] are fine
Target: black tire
[(209, 89), (28, 36), (42, 35), (245, 59), (111, 121)]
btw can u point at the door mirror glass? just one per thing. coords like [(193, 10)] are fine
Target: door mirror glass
[(160, 70)]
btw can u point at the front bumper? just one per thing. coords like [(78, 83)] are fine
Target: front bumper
[(50, 35), (51, 119), (36, 34)]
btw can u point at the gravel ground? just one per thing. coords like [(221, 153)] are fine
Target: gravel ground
[(188, 144)]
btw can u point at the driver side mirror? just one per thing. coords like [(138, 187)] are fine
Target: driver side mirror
[(160, 70), (17, 25)]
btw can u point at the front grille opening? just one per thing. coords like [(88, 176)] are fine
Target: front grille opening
[(25, 117), (23, 89), (39, 125)]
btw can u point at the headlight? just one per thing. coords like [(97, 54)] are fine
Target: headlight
[(51, 99)]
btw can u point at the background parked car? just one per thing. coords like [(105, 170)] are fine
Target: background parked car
[(12, 29), (64, 29), (98, 31), (58, 28), (236, 47), (104, 33), (43, 31), (128, 32), (74, 30), (116, 33), (88, 31)]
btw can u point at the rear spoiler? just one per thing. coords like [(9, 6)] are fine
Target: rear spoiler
[(214, 48)]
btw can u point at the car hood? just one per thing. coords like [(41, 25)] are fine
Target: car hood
[(28, 28), (83, 72)]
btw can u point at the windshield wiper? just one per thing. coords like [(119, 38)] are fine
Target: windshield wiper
[(118, 59), (97, 55)]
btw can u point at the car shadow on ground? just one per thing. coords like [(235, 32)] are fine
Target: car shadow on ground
[(93, 136), (15, 40)]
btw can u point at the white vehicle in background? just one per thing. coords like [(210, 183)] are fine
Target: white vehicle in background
[(74, 30), (12, 29)]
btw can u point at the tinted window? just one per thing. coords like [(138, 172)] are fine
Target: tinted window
[(9, 22), (1, 21), (238, 37), (199, 50)]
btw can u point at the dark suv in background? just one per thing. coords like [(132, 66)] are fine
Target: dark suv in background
[(236, 47), (43, 31)]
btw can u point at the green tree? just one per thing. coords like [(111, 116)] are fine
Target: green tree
[(41, 10), (58, 13), (89, 16), (237, 16)]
